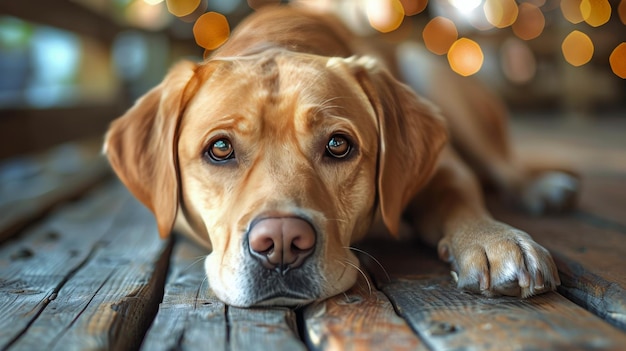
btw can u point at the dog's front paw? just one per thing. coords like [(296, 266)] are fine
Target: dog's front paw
[(496, 259)]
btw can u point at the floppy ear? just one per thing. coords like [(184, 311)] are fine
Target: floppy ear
[(142, 144), (411, 136)]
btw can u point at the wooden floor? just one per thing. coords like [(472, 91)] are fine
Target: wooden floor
[(82, 268)]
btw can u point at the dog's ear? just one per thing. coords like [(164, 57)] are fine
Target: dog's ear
[(411, 136), (141, 145)]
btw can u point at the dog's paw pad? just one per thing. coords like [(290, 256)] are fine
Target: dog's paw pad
[(551, 192)]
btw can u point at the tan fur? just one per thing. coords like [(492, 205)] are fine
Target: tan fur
[(285, 83)]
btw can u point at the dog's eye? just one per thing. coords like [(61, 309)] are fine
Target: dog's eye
[(221, 150), (338, 146)]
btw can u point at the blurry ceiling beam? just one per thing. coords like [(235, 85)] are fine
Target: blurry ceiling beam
[(64, 14), (74, 17)]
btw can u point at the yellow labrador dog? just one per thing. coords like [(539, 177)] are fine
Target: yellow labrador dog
[(280, 150)]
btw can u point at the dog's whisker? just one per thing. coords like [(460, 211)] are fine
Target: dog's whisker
[(344, 269), (369, 286), (197, 259), (372, 257)]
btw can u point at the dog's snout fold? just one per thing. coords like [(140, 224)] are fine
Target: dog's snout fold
[(281, 243)]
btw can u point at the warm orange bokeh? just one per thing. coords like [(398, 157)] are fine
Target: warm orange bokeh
[(413, 7), (211, 30), (618, 60), (465, 57), (181, 8), (530, 22), (577, 48), (595, 12), (571, 10), (385, 15), (621, 11), (439, 34), (501, 13)]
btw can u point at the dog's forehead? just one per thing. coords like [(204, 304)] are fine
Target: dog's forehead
[(277, 87)]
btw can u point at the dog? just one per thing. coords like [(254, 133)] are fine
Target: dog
[(283, 147)]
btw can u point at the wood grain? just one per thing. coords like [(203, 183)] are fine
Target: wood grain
[(191, 317), (360, 319), (32, 186), (33, 269), (448, 319), (108, 300), (590, 258)]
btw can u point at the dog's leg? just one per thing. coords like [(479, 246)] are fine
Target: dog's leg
[(477, 120), (486, 256)]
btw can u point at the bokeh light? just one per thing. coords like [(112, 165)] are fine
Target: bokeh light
[(144, 15), (439, 34), (621, 11), (577, 48), (595, 12), (571, 10), (384, 15), (530, 22), (618, 60), (465, 57), (211, 30), (413, 7), (518, 61), (501, 13), (181, 8), (465, 6)]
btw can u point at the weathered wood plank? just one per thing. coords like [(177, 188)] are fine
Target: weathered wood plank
[(360, 319), (604, 197), (33, 269), (263, 329), (446, 318), (31, 186), (191, 317), (589, 256), (108, 301)]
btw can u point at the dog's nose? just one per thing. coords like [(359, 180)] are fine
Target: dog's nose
[(281, 243)]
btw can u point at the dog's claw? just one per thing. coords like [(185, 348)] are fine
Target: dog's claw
[(506, 262)]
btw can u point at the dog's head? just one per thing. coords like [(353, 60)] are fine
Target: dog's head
[(277, 161)]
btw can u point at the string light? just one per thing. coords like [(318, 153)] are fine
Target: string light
[(618, 61), (465, 57), (413, 7), (501, 13), (181, 8), (577, 48), (211, 30), (439, 34), (530, 22), (595, 12), (384, 15), (571, 10)]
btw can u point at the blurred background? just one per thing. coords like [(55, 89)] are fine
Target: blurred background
[(68, 67)]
